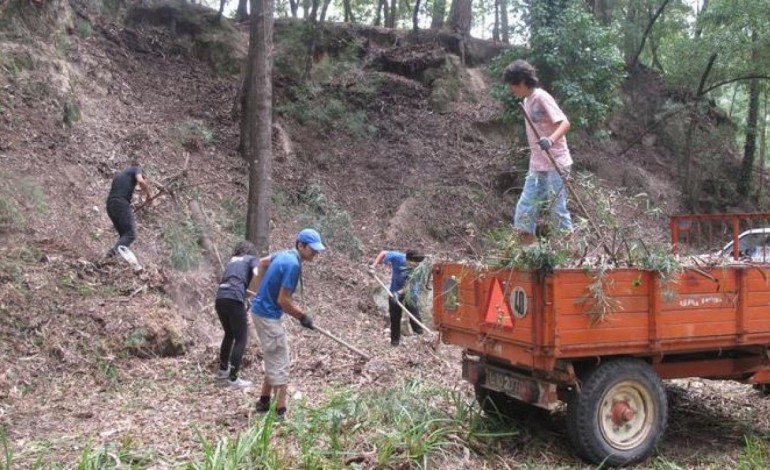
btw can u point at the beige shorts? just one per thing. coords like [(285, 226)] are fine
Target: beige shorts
[(275, 349)]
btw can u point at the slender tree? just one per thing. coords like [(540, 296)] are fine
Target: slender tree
[(504, 27), (242, 12), (391, 17), (461, 17), (635, 58), (438, 14), (323, 10), (258, 114), (496, 26), (415, 16), (752, 121)]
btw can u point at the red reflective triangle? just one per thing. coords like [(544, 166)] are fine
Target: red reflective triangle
[(498, 310)]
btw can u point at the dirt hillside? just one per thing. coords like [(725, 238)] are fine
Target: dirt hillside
[(375, 155)]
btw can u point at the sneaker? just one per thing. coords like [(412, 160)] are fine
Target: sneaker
[(262, 406), (222, 374), (239, 383)]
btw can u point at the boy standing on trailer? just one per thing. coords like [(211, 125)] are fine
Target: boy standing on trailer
[(543, 183)]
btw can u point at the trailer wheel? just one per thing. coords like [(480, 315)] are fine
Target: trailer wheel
[(619, 415)]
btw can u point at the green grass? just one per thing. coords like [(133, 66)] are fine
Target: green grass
[(756, 455), (7, 457), (315, 108), (333, 223), (193, 134), (249, 449), (182, 235)]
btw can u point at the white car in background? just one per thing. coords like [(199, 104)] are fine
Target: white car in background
[(754, 244)]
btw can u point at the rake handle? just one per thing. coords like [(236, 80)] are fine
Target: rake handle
[(406, 310)]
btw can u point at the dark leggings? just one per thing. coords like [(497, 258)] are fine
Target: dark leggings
[(122, 219), (395, 318), (232, 314)]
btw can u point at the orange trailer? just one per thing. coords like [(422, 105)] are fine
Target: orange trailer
[(537, 339)]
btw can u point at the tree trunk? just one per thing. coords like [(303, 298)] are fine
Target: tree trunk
[(305, 8), (294, 7), (323, 10), (242, 12), (461, 16), (349, 18), (313, 16), (504, 21), (750, 147), (496, 25), (259, 115), (647, 31), (762, 149), (378, 16), (415, 17), (601, 10), (221, 9), (391, 23), (439, 13)]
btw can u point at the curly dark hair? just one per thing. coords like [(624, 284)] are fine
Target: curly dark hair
[(521, 71), (244, 247), (414, 255)]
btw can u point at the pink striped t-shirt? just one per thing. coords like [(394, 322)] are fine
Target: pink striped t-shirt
[(546, 115)]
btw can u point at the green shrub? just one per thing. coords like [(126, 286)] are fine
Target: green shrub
[(315, 109), (182, 237), (577, 59), (333, 223), (19, 198), (84, 28), (14, 63), (71, 112), (193, 134)]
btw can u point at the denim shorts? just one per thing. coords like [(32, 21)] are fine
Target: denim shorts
[(543, 189)]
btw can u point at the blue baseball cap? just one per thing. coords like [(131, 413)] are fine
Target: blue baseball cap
[(311, 238)]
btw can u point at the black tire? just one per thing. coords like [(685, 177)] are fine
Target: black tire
[(620, 414), (763, 389)]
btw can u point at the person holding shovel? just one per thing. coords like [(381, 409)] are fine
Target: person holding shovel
[(279, 275), (544, 183), (231, 309), (119, 204), (401, 267)]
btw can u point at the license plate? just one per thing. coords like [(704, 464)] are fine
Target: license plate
[(524, 389)]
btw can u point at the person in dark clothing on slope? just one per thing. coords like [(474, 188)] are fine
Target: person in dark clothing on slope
[(240, 272), (119, 204)]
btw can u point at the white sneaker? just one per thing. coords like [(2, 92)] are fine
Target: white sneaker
[(222, 374), (239, 383)]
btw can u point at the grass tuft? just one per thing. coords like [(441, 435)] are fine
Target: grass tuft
[(182, 237)]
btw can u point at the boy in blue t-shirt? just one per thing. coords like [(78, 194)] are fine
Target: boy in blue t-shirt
[(401, 267), (279, 275)]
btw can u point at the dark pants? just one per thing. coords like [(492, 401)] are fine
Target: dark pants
[(232, 314), (395, 318), (122, 219)]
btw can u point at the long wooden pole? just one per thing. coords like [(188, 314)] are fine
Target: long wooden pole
[(342, 342), (406, 310)]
